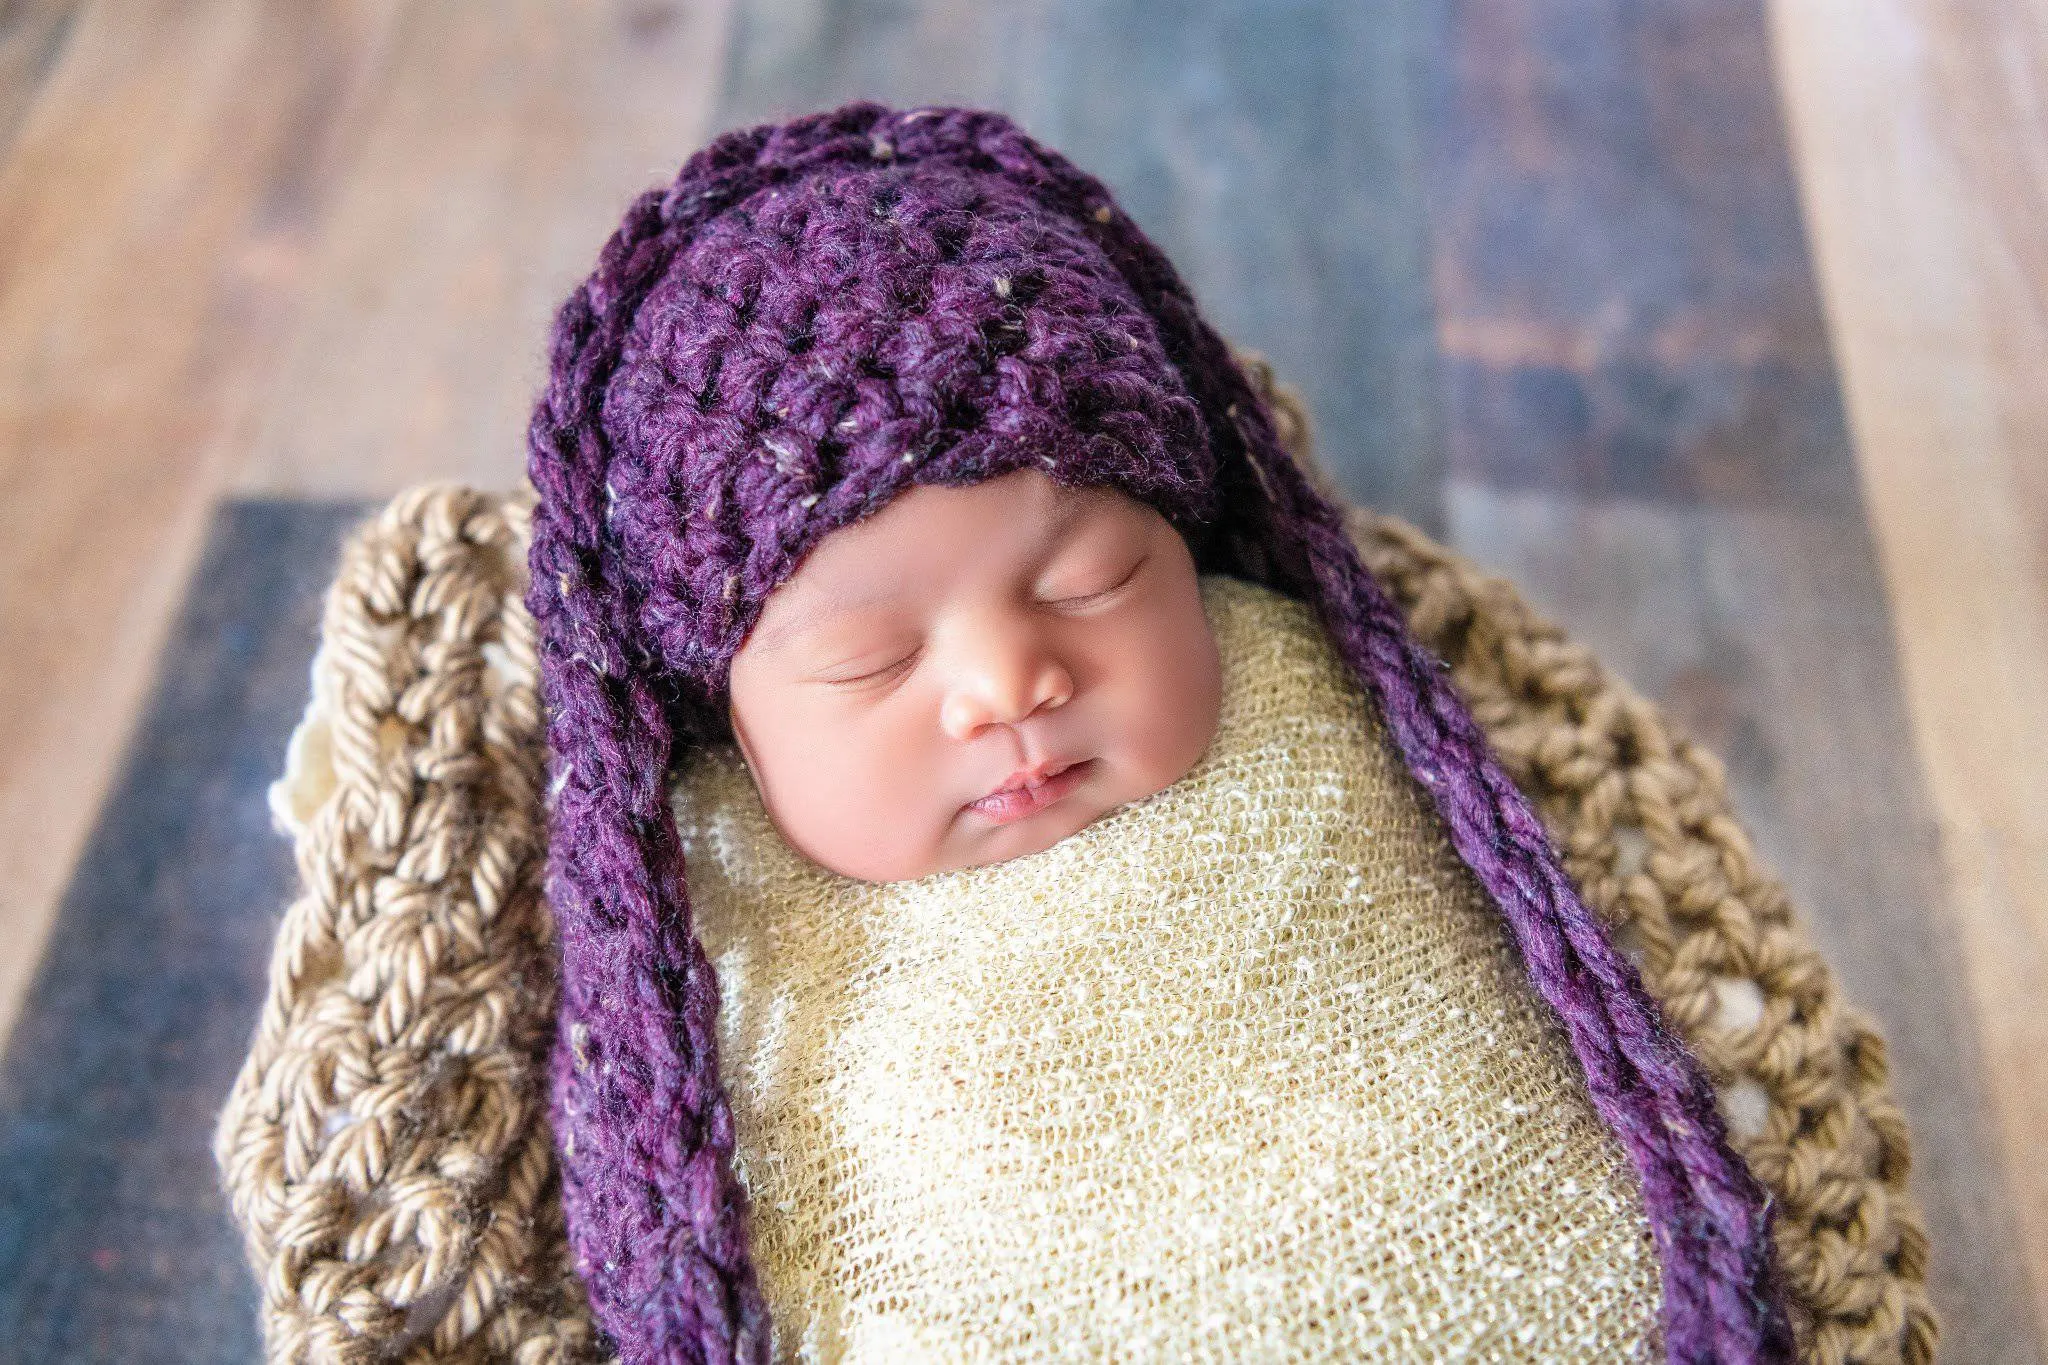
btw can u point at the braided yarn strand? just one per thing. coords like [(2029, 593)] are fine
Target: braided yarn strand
[(1719, 1299), (656, 1217), (1639, 810), (384, 1148), (1641, 814), (655, 1211)]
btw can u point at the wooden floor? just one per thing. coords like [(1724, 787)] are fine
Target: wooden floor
[(1719, 325)]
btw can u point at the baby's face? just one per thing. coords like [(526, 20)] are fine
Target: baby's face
[(964, 640)]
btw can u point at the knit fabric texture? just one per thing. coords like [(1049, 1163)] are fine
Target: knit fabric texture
[(813, 317), (1246, 1070), (386, 1148)]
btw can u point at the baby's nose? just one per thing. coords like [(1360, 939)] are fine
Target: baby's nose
[(1003, 684)]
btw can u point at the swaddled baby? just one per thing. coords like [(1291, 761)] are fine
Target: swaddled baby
[(1073, 968), (1067, 1018)]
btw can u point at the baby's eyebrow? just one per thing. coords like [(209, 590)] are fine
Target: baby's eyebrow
[(1074, 504), (806, 617)]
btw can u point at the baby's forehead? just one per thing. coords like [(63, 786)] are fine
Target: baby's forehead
[(857, 567)]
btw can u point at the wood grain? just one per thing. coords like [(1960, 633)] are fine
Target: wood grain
[(1923, 145), (154, 210), (115, 1243), (1273, 151), (33, 34), (312, 246), (1624, 297), (1646, 431), (504, 146)]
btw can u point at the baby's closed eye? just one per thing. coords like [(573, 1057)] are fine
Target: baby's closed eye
[(1086, 589), (892, 669)]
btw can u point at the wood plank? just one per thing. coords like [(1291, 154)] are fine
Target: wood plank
[(117, 1243), (1274, 152), (1921, 133), (1646, 429), (1766, 633), (32, 37), (505, 146), (183, 176), (203, 152), (154, 209), (1625, 300)]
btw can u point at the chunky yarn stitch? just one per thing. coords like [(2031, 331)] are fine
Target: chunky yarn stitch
[(387, 1150), (814, 316)]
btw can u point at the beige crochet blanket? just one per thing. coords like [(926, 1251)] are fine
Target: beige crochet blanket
[(1247, 1070), (385, 1148)]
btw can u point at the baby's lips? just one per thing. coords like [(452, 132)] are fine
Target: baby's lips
[(1035, 776), (1011, 803)]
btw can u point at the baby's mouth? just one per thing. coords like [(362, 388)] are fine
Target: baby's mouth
[(1030, 793)]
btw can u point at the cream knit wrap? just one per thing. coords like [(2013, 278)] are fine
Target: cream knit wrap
[(386, 1150), (1247, 1070)]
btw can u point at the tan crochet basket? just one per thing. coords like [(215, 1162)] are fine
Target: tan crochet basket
[(386, 1149)]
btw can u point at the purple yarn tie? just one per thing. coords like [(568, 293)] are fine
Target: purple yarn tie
[(807, 322)]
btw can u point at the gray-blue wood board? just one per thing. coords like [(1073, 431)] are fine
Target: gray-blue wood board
[(1537, 265), (115, 1243), (1276, 152)]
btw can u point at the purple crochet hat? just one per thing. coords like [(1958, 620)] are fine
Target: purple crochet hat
[(815, 316)]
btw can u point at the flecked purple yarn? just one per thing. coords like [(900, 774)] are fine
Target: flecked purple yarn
[(813, 317)]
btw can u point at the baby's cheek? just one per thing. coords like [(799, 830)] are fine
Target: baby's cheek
[(1176, 687), (904, 808)]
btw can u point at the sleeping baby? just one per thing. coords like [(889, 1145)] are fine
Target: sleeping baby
[(1211, 1049), (1023, 894)]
